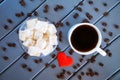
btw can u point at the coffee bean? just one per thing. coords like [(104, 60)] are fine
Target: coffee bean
[(104, 4), (96, 73), (75, 15), (82, 56), (74, 67), (59, 24), (67, 23), (63, 71), (18, 15), (79, 9), (68, 72), (91, 74), (58, 7), (96, 9), (40, 60), (110, 33), (23, 65), (90, 70), (60, 36), (6, 27), (3, 48), (104, 24), (101, 64), (82, 73), (105, 13), (92, 59), (87, 73), (106, 40), (29, 69), (53, 66), (109, 54), (79, 77), (25, 55), (81, 3), (104, 30), (90, 2), (85, 21), (107, 50), (22, 13), (11, 44), (81, 60), (71, 51), (58, 76), (116, 26), (29, 14), (22, 3), (58, 48), (36, 61), (89, 16), (53, 55), (35, 13), (47, 65), (5, 58), (78, 65), (9, 21)]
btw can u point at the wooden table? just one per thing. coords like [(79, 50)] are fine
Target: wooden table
[(15, 64)]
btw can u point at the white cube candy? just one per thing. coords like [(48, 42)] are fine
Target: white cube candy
[(38, 35), (41, 43), (47, 50), (53, 39), (42, 26), (46, 36), (34, 51), (29, 42), (52, 29), (31, 23), (22, 36)]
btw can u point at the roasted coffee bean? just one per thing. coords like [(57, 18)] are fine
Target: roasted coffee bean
[(101, 64), (3, 48), (96, 9), (22, 3), (53, 55), (18, 15), (24, 65), (29, 69), (74, 67), (82, 56), (35, 13), (104, 24), (67, 23), (40, 60), (36, 61), (6, 27), (75, 15), (60, 36), (5, 58), (9, 21), (79, 77), (29, 14), (85, 21), (68, 72), (104, 30), (116, 26), (104, 4), (105, 13), (53, 66), (106, 40), (81, 60), (91, 74), (78, 65), (109, 54), (63, 71), (79, 9), (11, 44), (96, 73), (47, 65), (71, 51), (58, 7), (58, 48), (89, 16), (25, 55), (22, 13), (82, 73), (81, 3), (110, 33), (90, 2)]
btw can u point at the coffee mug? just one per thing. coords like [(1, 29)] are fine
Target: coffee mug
[(85, 38)]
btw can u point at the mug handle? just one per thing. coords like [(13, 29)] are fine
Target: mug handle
[(102, 52)]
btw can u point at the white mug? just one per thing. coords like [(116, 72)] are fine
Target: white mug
[(96, 48)]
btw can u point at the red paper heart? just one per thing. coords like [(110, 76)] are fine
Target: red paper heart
[(64, 60)]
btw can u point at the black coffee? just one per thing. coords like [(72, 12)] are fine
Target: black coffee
[(84, 38)]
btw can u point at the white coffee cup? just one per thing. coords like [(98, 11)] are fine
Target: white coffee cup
[(96, 48)]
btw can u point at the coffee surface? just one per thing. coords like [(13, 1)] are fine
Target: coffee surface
[(84, 38)]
